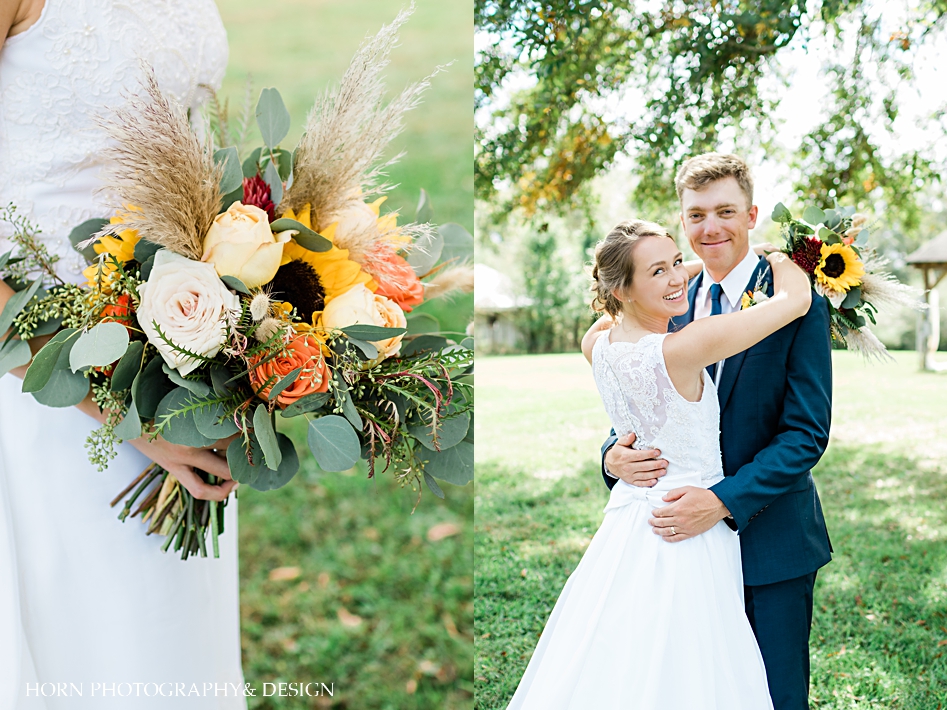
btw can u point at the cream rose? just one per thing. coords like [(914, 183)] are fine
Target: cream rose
[(356, 219), (241, 244), (358, 305), (189, 302)]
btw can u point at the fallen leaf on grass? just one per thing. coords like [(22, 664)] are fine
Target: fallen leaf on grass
[(442, 530), (348, 618), (411, 687), (451, 626), (428, 667), (281, 574), (323, 580), (942, 643)]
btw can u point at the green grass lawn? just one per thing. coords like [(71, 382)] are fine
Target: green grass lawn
[(380, 602), (879, 635)]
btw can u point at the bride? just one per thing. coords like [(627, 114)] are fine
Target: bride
[(642, 623), (92, 613)]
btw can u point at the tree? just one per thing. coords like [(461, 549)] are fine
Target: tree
[(695, 70)]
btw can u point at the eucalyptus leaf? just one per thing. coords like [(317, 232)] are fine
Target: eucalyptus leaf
[(454, 465), (220, 377), (130, 427), (17, 303), (251, 166), (450, 432), (146, 267), (5, 258), (458, 242), (47, 327), (245, 466), (99, 346), (852, 298), (780, 213), (345, 399), (424, 212), (199, 388), (268, 479), (366, 351), (333, 443), (422, 323), (832, 219), (263, 428), (432, 485), (65, 388), (304, 405), (813, 215), (423, 343), (212, 423), (227, 200), (15, 353), (128, 367), (467, 343), (232, 177), (41, 369), (289, 379), (304, 237), (272, 118), (144, 250), (372, 333), (862, 238), (272, 178), (829, 237), (149, 388), (426, 252), (180, 428), (83, 233), (236, 284)]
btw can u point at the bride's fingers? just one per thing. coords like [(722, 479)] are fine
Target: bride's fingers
[(214, 464), (200, 489)]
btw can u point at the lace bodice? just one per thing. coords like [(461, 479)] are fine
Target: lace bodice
[(75, 64), (638, 395)]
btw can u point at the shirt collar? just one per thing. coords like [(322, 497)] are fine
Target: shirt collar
[(735, 283)]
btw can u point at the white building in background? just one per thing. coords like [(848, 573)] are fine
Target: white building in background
[(496, 305)]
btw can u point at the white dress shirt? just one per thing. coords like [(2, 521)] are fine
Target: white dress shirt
[(734, 285)]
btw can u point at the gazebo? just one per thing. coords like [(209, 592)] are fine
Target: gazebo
[(931, 259), (496, 305)]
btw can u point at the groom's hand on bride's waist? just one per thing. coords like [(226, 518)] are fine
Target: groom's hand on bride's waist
[(690, 512), (639, 468)]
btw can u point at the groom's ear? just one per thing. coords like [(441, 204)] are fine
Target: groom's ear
[(753, 213)]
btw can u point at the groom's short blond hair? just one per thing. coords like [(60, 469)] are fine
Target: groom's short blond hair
[(701, 170)]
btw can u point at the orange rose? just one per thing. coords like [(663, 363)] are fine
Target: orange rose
[(396, 280), (305, 352)]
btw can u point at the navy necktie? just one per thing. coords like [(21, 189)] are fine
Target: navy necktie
[(715, 310)]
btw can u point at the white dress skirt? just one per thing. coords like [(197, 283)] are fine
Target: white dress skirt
[(92, 614), (645, 624)]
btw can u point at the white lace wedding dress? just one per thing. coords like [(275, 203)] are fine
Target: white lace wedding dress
[(645, 624), (84, 598)]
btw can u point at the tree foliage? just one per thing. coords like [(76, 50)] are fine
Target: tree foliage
[(684, 74)]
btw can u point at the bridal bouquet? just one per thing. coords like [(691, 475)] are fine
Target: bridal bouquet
[(832, 247), (227, 292)]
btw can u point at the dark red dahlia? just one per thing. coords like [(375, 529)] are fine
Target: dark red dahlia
[(808, 254), (257, 193)]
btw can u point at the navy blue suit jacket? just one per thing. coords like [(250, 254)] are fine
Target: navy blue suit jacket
[(775, 411)]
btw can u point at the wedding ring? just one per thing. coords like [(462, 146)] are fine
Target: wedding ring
[(673, 531)]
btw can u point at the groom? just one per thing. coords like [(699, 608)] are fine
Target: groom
[(775, 408)]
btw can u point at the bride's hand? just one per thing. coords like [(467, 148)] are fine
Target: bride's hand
[(764, 249), (180, 462)]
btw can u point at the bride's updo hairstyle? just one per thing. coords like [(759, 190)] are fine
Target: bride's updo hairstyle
[(614, 262)]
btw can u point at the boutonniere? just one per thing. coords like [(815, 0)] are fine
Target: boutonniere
[(755, 295)]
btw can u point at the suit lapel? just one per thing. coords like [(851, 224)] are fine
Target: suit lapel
[(733, 363)]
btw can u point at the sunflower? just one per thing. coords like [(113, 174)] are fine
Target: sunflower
[(310, 279), (120, 245), (840, 268)]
